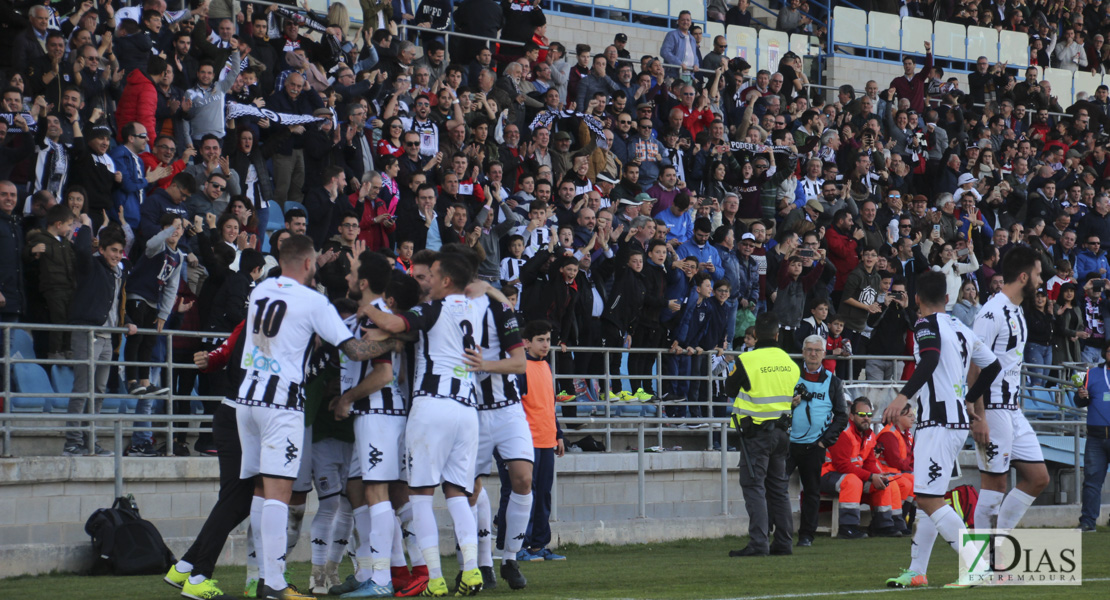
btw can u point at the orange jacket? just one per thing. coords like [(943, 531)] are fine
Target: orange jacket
[(895, 450), (852, 454)]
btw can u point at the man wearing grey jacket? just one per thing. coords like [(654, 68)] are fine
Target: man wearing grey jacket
[(205, 114), (490, 269)]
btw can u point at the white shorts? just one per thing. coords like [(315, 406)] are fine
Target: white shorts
[(272, 440), (934, 454), (441, 441), (303, 483), (506, 431), (1012, 440), (331, 459), (380, 448)]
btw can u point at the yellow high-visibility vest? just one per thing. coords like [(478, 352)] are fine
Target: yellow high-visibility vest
[(773, 375)]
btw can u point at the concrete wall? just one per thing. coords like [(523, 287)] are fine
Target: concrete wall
[(45, 501), (599, 34)]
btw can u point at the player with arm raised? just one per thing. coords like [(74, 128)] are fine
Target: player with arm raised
[(1001, 325), (944, 352), (441, 435), (283, 317)]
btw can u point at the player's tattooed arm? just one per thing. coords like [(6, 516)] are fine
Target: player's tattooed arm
[(367, 349), (389, 322)]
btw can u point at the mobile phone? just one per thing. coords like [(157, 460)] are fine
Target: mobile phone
[(808, 253), (936, 228), (962, 252), (1097, 285)]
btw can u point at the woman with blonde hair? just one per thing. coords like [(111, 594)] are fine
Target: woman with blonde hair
[(337, 15)]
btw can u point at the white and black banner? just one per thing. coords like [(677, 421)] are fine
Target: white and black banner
[(9, 118), (760, 148), (236, 110)]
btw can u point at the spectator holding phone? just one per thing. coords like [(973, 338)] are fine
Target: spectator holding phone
[(1095, 307)]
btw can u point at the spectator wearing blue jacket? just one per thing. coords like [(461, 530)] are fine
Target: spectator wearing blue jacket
[(130, 192), (166, 201), (724, 238), (680, 48), (700, 330), (700, 248), (679, 219), (1097, 455), (1091, 262)]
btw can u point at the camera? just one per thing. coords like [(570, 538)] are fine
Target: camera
[(803, 392)]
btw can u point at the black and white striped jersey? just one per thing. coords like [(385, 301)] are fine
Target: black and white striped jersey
[(500, 335), (1001, 324), (387, 401), (282, 317), (446, 329), (510, 268), (940, 402)]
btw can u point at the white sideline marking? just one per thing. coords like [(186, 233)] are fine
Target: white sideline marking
[(860, 592)]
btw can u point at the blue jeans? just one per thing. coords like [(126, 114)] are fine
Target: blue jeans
[(1038, 354), (732, 306), (538, 534), (1092, 355), (1095, 460)]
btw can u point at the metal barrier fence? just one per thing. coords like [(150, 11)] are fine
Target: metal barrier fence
[(1062, 418)]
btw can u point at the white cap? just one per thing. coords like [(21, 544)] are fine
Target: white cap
[(967, 178)]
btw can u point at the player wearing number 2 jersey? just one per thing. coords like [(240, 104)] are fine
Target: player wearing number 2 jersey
[(442, 432), (945, 351), (1001, 324), (283, 316)]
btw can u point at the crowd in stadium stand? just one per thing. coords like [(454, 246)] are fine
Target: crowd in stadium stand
[(655, 201)]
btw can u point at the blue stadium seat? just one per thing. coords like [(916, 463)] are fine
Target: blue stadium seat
[(22, 344), (62, 378), (290, 205), (31, 379), (276, 219)]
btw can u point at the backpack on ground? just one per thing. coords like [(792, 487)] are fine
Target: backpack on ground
[(963, 499), (125, 543)]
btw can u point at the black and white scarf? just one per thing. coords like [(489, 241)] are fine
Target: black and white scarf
[(547, 117)]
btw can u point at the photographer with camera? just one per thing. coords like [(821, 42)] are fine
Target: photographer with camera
[(888, 332), (820, 413)]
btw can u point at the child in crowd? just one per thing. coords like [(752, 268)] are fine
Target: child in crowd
[(837, 345), (51, 251), (1064, 274), (749, 341), (511, 264), (815, 323)]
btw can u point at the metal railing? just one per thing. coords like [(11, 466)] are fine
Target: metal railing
[(607, 422)]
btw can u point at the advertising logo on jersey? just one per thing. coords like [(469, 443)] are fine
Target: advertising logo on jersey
[(259, 362)]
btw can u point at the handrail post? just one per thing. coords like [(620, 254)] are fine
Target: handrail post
[(7, 389), (117, 427), (605, 400), (169, 395), (724, 469), (1077, 458), (659, 393), (90, 393), (641, 509)]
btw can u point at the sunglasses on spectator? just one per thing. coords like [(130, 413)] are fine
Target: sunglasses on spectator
[(217, 186), (412, 143), (865, 414)]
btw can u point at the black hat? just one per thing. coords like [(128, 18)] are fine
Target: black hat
[(620, 37)]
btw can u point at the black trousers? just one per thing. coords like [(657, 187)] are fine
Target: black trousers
[(765, 489), (807, 459), (611, 337), (234, 501), (640, 364), (139, 347)]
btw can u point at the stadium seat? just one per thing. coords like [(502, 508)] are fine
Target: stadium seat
[(655, 7), (1013, 48), (982, 41), (883, 32), (849, 26), (62, 379), (290, 205), (276, 219), (772, 45), (696, 8), (1061, 80), (712, 30), (742, 42), (31, 379), (22, 344), (949, 40), (266, 241), (915, 32), (1084, 82)]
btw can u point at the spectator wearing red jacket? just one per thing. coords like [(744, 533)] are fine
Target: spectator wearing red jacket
[(376, 223), (139, 100), (851, 470), (165, 148), (841, 240), (914, 86)]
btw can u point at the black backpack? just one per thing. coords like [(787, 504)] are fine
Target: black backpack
[(125, 543)]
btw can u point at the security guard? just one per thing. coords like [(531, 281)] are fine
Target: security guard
[(763, 383)]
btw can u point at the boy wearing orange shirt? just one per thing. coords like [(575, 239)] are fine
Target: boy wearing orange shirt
[(538, 398)]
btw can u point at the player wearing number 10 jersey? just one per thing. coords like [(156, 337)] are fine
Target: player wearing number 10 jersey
[(282, 318)]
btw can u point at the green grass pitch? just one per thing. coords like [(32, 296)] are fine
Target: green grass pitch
[(689, 569)]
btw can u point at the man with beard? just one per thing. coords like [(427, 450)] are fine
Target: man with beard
[(1001, 323)]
